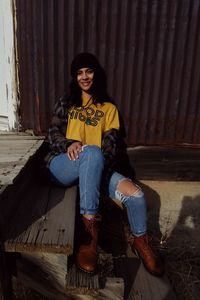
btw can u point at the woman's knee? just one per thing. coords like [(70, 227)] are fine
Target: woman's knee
[(131, 193), (57, 162), (133, 196), (94, 153), (128, 188)]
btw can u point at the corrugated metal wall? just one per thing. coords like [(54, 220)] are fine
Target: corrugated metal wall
[(150, 50)]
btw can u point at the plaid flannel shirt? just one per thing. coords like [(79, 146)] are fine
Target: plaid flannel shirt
[(58, 142)]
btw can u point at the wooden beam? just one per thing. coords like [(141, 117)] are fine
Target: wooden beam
[(140, 284), (44, 273)]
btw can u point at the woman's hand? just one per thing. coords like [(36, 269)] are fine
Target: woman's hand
[(73, 150)]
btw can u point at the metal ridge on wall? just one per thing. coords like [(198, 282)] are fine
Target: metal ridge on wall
[(150, 50)]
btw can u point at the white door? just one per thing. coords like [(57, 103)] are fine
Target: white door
[(7, 67)]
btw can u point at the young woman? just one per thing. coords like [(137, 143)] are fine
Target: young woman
[(83, 139)]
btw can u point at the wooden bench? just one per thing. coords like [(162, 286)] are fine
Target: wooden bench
[(38, 220), (165, 163)]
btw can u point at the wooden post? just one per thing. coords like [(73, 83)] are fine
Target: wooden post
[(5, 278), (1, 281), (44, 272)]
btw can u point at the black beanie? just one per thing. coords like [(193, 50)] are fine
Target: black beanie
[(84, 60)]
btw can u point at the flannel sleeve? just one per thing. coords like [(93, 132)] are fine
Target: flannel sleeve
[(57, 129), (109, 149)]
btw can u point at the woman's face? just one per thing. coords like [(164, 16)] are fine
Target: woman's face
[(85, 78)]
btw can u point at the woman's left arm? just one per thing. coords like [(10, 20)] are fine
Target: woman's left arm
[(57, 129)]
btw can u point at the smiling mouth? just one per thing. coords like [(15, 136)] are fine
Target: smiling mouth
[(86, 83)]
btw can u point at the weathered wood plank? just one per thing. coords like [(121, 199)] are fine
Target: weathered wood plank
[(30, 209), (39, 223), (140, 284), (36, 210), (14, 153), (55, 266), (62, 217), (113, 290), (148, 287), (164, 163), (10, 135), (44, 273), (43, 280)]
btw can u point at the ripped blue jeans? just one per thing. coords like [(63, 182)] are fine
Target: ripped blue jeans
[(87, 170)]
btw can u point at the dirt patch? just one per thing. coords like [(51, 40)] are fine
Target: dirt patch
[(183, 269), (20, 292)]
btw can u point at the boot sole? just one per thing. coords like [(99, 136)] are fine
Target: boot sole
[(87, 272)]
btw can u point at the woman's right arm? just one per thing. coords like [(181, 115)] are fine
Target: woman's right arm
[(57, 130)]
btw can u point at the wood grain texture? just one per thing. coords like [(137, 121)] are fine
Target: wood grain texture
[(148, 287), (54, 265), (140, 284), (43, 221), (37, 271), (15, 151), (164, 163)]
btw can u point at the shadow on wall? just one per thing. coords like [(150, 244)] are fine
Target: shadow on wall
[(187, 229)]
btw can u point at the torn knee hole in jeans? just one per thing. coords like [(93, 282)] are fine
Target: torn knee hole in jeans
[(137, 192)]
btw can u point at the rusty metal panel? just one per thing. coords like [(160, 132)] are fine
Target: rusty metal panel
[(150, 50)]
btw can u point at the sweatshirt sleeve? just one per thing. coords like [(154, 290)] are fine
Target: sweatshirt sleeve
[(112, 118)]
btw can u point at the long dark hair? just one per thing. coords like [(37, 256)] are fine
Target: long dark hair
[(98, 90)]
